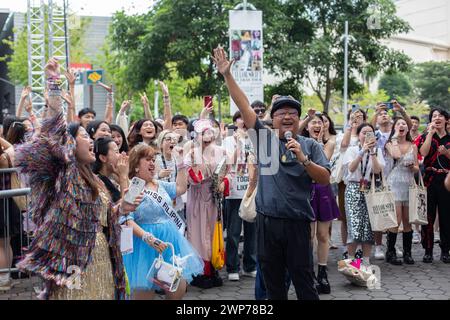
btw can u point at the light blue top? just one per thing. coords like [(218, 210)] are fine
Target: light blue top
[(149, 212)]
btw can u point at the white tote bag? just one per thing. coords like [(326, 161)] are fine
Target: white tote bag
[(247, 209), (381, 207), (337, 169), (418, 203)]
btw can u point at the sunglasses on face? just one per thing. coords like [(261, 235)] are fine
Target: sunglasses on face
[(259, 110)]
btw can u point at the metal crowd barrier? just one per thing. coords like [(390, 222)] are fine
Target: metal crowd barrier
[(6, 198)]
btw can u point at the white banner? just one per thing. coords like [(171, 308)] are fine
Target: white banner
[(246, 47)]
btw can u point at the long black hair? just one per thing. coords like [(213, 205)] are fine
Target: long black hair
[(101, 148), (331, 128), (408, 134), (135, 137), (124, 147), (85, 170)]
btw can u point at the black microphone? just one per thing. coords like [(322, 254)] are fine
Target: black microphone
[(289, 155)]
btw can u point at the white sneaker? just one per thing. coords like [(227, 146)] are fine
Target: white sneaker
[(249, 274), (399, 252), (233, 277), (416, 237), (379, 253)]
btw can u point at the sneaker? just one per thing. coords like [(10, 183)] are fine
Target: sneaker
[(437, 238), (379, 253), (399, 252), (251, 274), (416, 237), (233, 277)]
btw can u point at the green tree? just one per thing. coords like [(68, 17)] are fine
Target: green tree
[(308, 44), (302, 42), (16, 62), (432, 80), (395, 84)]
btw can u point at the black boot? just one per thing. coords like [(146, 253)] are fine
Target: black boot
[(216, 279), (316, 283), (428, 256), (202, 282), (322, 279), (391, 254), (445, 257), (407, 244)]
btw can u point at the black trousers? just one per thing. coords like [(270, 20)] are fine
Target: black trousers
[(285, 244), (438, 197)]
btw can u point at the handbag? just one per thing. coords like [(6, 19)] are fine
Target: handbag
[(418, 202), (247, 209), (381, 206), (218, 247), (165, 275), (20, 201)]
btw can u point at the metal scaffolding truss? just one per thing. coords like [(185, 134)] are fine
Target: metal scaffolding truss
[(57, 44), (57, 32), (36, 51)]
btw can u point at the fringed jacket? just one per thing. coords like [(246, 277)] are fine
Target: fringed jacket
[(62, 207)]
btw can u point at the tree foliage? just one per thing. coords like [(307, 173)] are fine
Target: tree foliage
[(433, 82), (395, 84), (302, 42)]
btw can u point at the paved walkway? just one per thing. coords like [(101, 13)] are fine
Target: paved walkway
[(417, 282)]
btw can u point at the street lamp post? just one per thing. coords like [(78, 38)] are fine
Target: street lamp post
[(345, 73)]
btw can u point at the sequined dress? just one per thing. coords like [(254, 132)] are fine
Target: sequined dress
[(71, 225), (97, 282)]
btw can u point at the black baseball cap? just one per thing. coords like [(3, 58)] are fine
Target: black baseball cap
[(285, 101)]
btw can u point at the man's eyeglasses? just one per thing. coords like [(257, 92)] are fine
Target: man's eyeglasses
[(292, 114)]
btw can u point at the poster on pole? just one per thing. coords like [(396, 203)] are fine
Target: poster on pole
[(246, 47)]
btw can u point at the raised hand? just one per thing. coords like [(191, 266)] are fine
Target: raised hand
[(311, 113), (221, 61), (164, 89), (25, 93), (52, 68), (122, 167), (109, 89), (144, 99), (125, 106), (396, 106), (71, 77)]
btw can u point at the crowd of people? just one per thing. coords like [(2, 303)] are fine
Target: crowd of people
[(302, 173)]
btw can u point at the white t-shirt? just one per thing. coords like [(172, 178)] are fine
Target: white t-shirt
[(239, 170), (350, 155)]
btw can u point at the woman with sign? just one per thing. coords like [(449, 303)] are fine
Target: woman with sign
[(154, 225)]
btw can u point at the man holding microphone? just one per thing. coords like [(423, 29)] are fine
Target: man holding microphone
[(288, 164)]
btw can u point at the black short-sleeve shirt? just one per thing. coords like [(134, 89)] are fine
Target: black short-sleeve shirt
[(434, 159)]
